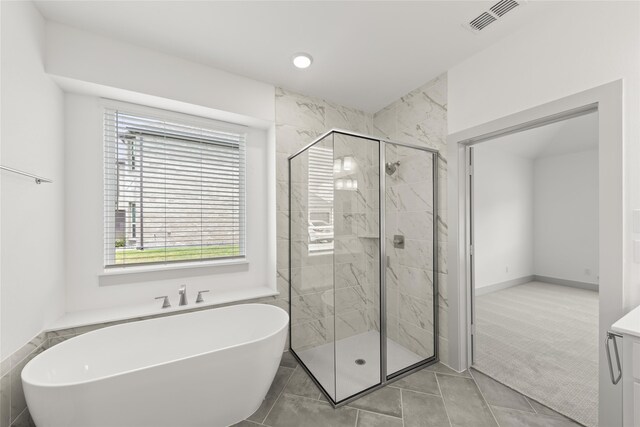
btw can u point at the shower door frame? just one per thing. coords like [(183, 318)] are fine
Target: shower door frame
[(385, 378)]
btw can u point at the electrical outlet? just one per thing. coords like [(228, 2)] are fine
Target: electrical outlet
[(506, 269), (587, 272)]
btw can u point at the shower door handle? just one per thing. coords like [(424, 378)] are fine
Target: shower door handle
[(612, 336)]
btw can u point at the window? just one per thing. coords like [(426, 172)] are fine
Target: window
[(320, 221), (174, 189)]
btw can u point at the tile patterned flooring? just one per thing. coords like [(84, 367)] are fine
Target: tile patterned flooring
[(434, 396)]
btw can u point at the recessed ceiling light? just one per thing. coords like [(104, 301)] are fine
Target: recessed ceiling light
[(302, 60)]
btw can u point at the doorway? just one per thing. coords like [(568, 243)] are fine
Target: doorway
[(533, 216), (608, 100)]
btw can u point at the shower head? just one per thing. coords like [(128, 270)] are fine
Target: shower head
[(391, 168)]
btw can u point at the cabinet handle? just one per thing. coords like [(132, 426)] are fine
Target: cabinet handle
[(612, 336)]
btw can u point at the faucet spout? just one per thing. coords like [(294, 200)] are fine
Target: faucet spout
[(182, 292)]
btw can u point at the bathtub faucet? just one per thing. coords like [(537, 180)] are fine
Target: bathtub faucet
[(183, 295)]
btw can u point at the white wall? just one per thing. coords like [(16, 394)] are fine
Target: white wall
[(565, 218), (503, 216), (84, 224), (581, 46), (92, 59), (32, 241), (89, 66)]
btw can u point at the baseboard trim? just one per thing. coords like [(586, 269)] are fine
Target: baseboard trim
[(565, 282), (503, 285)]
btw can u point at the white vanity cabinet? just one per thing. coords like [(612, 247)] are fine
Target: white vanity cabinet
[(630, 379), (625, 338)]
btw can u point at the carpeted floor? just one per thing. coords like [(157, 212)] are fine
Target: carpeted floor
[(542, 340)]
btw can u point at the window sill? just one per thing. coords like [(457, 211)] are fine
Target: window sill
[(92, 317), (119, 271)]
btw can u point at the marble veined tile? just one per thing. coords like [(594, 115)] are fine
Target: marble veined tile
[(351, 323), (282, 169), (282, 225), (309, 307), (415, 166), (5, 400), (290, 139), (26, 349), (349, 275), (414, 197), (282, 196), (416, 339), (346, 118), (416, 282), (416, 311), (436, 89), (416, 225), (299, 198), (348, 249), (385, 122), (18, 403), (312, 334), (348, 224), (282, 255), (300, 111), (416, 254), (442, 258), (311, 279), (350, 299)]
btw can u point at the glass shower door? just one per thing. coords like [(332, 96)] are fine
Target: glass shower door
[(410, 247), (311, 262), (356, 176)]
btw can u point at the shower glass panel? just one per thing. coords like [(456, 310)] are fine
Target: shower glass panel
[(355, 326), (357, 264), (410, 249), (311, 229)]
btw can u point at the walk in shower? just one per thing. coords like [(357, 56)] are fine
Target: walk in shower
[(363, 308)]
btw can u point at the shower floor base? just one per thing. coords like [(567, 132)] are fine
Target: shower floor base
[(353, 376)]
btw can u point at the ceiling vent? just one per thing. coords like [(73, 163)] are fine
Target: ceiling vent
[(494, 13), (482, 21), (503, 7)]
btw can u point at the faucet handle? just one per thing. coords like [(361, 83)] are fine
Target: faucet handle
[(199, 298), (165, 303)]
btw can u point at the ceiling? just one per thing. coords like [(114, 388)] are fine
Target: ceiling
[(366, 54), (564, 137)]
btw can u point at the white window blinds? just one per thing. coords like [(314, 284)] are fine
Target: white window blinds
[(174, 190), (320, 198)]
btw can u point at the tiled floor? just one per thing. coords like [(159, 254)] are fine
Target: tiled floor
[(434, 396)]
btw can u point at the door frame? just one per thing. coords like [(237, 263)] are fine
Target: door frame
[(608, 100)]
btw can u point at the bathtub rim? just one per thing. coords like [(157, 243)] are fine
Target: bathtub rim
[(130, 371)]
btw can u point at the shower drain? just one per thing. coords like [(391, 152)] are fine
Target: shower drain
[(360, 361)]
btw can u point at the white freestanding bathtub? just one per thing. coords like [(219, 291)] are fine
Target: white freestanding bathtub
[(207, 368)]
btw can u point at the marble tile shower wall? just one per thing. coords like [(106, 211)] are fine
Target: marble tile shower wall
[(356, 233), (409, 213), (420, 118), (299, 120)]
